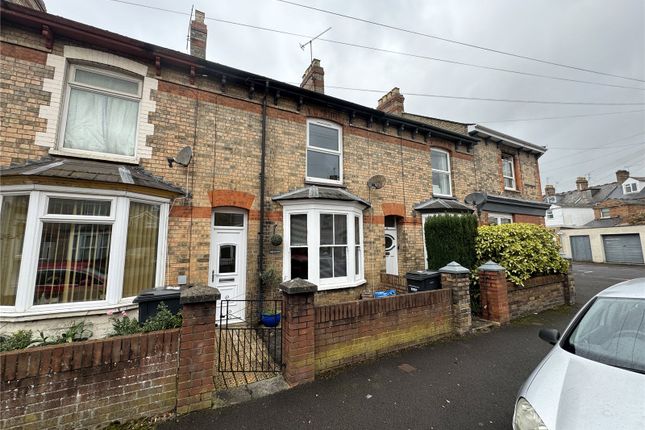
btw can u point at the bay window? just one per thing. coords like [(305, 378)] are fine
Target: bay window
[(323, 244), (74, 249), (441, 183), (324, 152)]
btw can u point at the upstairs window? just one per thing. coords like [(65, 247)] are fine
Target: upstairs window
[(441, 184), (324, 152), (508, 171), (630, 188), (604, 213), (101, 112), (549, 214)]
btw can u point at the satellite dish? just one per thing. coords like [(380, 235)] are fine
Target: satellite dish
[(183, 157), (376, 182), (476, 199)]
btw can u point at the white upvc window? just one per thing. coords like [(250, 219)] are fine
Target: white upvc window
[(100, 115), (630, 188), (508, 171), (324, 243), (498, 219), (441, 180), (549, 214), (324, 152), (75, 249), (605, 213)]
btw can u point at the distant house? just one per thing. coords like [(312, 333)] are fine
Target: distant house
[(604, 223)]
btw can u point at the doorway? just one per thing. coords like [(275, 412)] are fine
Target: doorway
[(391, 246), (228, 259)]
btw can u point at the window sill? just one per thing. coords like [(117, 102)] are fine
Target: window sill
[(95, 156), (340, 286), (46, 314), (312, 181), (446, 196)]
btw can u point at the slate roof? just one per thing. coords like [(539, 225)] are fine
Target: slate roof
[(316, 192), (90, 170), (442, 205), (586, 198), (604, 222)]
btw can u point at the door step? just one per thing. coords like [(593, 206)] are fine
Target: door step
[(482, 325)]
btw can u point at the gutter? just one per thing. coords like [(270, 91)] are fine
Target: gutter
[(262, 192)]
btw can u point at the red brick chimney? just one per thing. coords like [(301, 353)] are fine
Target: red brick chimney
[(622, 176), (392, 102), (314, 77), (198, 32), (549, 190), (582, 183)]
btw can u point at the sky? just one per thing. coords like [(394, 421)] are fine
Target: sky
[(590, 128)]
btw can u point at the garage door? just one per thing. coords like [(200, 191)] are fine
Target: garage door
[(623, 248), (580, 248)]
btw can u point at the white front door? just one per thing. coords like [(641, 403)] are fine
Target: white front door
[(228, 260), (391, 247)]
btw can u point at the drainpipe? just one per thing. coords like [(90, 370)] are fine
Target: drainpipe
[(262, 191)]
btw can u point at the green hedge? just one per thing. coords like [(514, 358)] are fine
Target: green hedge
[(525, 250), (450, 238)]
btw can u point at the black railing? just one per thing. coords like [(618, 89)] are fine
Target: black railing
[(250, 336)]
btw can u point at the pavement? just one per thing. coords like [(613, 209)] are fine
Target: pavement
[(460, 383)]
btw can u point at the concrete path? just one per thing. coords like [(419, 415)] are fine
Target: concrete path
[(467, 383)]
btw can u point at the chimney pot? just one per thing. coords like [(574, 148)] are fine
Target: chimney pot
[(549, 190), (314, 77), (392, 102), (198, 33), (582, 183), (622, 176)]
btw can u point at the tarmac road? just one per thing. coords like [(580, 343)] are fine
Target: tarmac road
[(463, 383)]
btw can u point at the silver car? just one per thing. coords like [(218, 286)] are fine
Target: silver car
[(594, 377)]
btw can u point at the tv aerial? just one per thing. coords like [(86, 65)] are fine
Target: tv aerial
[(310, 43), (182, 158)]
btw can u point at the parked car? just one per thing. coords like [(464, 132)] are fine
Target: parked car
[(594, 377)]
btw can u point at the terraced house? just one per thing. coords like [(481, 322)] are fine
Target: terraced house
[(127, 166)]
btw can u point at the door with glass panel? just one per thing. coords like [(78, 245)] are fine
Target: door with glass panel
[(228, 260), (391, 247)]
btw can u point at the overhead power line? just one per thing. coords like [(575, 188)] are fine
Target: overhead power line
[(606, 146), (389, 51), (446, 96), (560, 117), (445, 39)]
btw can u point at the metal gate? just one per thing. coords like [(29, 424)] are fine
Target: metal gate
[(253, 344), (623, 248), (580, 248)]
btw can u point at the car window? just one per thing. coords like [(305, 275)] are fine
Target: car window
[(612, 332)]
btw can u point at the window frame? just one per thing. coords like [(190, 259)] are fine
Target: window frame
[(352, 210), (339, 153), (511, 161), (499, 216), (630, 188), (444, 172), (605, 213), (59, 147), (39, 196), (549, 214)]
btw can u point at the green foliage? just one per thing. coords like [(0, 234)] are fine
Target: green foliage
[(18, 340), (450, 238), (270, 278), (162, 320), (525, 250)]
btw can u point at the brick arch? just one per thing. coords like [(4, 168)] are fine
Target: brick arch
[(236, 199), (396, 209)]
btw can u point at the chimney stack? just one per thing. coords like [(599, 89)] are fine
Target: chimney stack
[(314, 77), (549, 190), (581, 183), (392, 102), (198, 32), (622, 176)]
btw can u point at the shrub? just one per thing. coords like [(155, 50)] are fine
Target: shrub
[(450, 238), (525, 250), (162, 320), (18, 340)]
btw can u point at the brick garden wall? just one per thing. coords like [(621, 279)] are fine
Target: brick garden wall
[(89, 384), (347, 333), (538, 294)]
